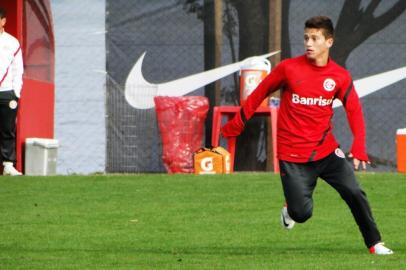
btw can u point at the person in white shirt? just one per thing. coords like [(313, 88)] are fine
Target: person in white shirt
[(11, 81)]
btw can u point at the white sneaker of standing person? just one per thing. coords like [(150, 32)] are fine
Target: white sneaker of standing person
[(286, 221), (9, 169), (380, 249)]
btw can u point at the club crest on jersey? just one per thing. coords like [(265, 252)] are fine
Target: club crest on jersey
[(340, 153), (329, 84)]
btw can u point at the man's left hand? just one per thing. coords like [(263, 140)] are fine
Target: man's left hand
[(357, 163)]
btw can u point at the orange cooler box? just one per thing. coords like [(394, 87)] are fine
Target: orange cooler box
[(401, 149), (212, 161)]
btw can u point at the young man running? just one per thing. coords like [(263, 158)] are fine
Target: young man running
[(307, 148)]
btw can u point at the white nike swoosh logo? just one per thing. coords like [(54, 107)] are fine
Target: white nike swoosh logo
[(371, 84), (140, 94)]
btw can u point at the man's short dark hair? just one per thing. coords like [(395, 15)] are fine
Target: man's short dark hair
[(2, 13), (321, 22)]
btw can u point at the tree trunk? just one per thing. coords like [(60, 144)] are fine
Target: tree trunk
[(286, 52), (253, 40), (212, 58)]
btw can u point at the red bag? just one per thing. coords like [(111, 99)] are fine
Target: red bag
[(181, 124)]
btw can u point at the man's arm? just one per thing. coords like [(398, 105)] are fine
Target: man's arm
[(17, 67), (355, 117), (270, 84)]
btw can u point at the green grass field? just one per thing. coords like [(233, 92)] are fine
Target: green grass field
[(159, 221)]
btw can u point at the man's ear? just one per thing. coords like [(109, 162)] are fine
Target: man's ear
[(330, 42)]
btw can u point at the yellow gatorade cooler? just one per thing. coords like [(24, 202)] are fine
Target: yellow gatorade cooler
[(401, 149)]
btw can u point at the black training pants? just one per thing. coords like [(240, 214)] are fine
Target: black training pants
[(8, 114), (299, 181)]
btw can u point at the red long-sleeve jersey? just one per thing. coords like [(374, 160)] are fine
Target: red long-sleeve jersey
[(304, 121)]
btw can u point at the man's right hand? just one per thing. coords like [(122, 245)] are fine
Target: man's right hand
[(233, 128)]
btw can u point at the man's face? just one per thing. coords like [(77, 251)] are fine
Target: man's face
[(316, 44), (2, 23)]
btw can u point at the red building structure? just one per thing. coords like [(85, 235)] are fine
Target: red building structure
[(30, 21)]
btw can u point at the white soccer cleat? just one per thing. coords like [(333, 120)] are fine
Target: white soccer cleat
[(380, 249), (286, 221), (10, 170)]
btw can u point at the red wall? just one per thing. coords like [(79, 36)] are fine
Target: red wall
[(31, 23)]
